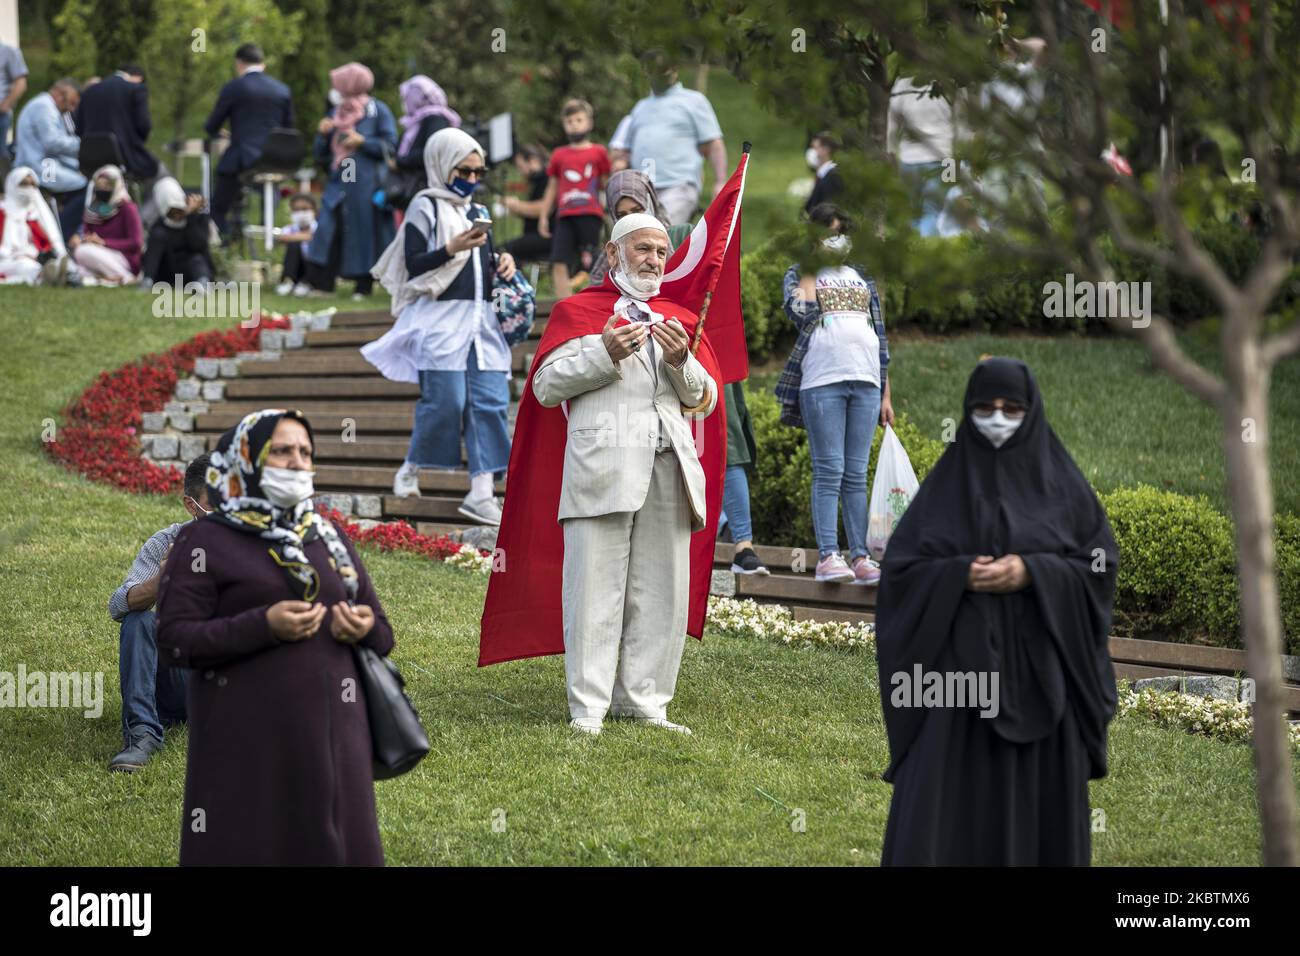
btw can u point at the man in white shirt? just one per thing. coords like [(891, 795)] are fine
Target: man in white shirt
[(668, 133), (921, 137)]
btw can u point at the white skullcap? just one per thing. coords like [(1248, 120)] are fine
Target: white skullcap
[(633, 222)]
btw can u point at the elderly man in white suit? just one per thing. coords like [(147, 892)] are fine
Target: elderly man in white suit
[(633, 489)]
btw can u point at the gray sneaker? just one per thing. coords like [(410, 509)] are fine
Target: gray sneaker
[(486, 510), (137, 753)]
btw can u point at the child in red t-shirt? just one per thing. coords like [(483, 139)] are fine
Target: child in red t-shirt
[(578, 173)]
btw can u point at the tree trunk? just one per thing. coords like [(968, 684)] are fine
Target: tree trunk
[(1250, 492)]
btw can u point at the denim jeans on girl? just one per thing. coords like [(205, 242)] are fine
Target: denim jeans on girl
[(841, 420), (735, 503), (473, 403)]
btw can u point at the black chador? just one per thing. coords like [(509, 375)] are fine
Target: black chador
[(1004, 784)]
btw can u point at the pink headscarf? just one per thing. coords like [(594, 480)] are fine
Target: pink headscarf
[(422, 97), (354, 81)]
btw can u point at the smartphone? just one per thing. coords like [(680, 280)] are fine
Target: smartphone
[(481, 225)]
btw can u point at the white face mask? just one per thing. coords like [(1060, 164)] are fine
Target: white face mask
[(335, 96), (28, 196), (302, 218), (285, 487), (997, 428), (838, 243), (811, 158)]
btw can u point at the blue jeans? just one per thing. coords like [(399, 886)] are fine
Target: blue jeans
[(924, 182), (472, 403), (152, 696), (6, 120), (841, 421), (735, 504)]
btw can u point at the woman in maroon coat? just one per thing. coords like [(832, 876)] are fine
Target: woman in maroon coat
[(262, 598)]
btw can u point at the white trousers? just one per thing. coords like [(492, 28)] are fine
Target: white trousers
[(626, 598), (103, 262)]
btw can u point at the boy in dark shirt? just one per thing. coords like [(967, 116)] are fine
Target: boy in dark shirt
[(578, 173)]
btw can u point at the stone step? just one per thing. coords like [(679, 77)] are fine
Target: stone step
[(803, 589), (358, 335), (346, 361), (378, 479), (427, 508), (354, 318), (291, 388)]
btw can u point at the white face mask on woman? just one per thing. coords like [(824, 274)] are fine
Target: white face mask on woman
[(285, 487), (997, 428), (811, 158)]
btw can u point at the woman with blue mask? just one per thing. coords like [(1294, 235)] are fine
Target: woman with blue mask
[(999, 582), (835, 385), (447, 337)]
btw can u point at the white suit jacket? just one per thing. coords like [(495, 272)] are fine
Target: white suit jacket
[(615, 414)]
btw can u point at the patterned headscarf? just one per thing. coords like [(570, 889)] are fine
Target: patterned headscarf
[(234, 480)]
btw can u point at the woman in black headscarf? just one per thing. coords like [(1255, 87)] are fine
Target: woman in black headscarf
[(263, 598), (1003, 566)]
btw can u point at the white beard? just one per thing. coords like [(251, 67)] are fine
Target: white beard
[(637, 286)]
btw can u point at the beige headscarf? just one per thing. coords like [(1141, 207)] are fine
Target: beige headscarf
[(442, 151)]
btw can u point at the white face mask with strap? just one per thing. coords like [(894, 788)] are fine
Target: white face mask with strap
[(285, 487), (997, 428)]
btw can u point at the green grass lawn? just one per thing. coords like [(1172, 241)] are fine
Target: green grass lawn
[(778, 730), (1124, 421)]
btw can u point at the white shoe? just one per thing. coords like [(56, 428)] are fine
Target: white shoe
[(665, 723), (406, 483), (586, 725), (285, 287), (486, 510), (301, 289)]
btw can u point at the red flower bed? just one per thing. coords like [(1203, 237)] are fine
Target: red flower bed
[(394, 536), (98, 436)]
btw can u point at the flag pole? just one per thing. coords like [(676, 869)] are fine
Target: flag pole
[(708, 297)]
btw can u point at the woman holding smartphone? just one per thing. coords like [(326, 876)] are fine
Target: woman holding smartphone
[(447, 338)]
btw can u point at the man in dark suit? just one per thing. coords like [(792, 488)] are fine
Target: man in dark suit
[(254, 104), (119, 104), (821, 157)]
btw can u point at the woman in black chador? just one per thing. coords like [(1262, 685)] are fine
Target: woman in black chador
[(1002, 569)]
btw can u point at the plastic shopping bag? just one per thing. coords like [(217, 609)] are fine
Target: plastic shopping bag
[(892, 491)]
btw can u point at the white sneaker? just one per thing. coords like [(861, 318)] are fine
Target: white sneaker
[(486, 510), (301, 289), (285, 287), (586, 725), (665, 723), (406, 483)]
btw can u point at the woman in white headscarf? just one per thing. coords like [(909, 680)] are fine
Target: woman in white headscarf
[(178, 240), (31, 244), (439, 272)]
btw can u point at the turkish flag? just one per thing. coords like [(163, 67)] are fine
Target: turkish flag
[(709, 260), (523, 614)]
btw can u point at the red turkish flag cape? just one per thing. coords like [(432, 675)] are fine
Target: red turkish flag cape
[(523, 613)]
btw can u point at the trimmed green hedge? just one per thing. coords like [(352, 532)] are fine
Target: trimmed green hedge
[(1177, 573), (954, 285)]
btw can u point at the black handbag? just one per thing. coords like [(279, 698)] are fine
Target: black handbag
[(396, 735)]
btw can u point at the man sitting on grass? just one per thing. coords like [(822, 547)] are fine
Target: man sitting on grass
[(152, 695)]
